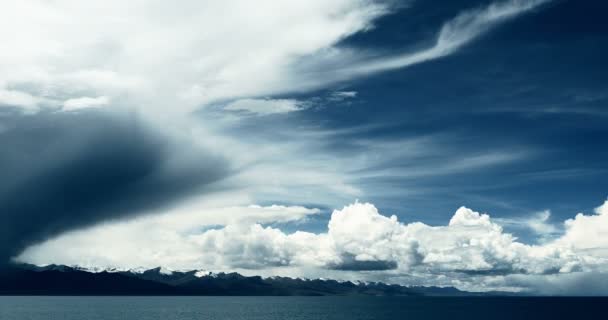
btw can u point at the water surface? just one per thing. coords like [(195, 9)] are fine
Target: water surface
[(305, 308)]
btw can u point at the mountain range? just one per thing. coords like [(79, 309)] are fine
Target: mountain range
[(65, 280)]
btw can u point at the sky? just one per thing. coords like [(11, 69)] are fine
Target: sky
[(458, 143)]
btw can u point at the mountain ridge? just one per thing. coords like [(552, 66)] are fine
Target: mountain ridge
[(66, 280)]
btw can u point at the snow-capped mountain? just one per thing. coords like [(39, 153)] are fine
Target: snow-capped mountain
[(66, 280)]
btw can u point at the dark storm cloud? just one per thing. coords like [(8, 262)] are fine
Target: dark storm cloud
[(60, 171)]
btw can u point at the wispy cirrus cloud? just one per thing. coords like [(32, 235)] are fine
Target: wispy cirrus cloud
[(538, 223), (107, 56), (265, 106), (453, 35)]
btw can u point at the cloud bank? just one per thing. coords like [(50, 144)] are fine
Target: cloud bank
[(471, 251)]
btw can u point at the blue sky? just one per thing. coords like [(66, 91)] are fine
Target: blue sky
[(535, 84), (301, 138), (532, 88)]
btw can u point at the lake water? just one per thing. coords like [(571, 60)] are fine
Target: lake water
[(309, 308)]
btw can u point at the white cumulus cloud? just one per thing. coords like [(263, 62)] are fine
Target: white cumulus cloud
[(471, 251)]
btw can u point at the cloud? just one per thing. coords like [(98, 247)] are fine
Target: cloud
[(62, 171), (15, 98), (570, 284), (105, 50), (539, 223), (85, 102), (454, 34), (349, 262), (302, 163), (470, 252), (588, 232), (265, 106), (173, 239), (342, 95), (163, 58)]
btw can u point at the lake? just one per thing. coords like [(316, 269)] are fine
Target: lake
[(305, 308)]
